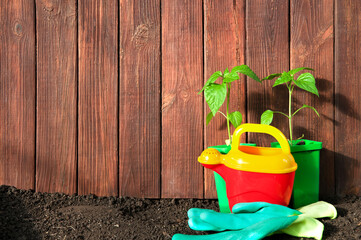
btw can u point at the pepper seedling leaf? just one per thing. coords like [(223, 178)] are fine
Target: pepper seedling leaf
[(211, 79), (209, 118), (215, 94), (230, 77), (267, 117), (272, 76), (235, 118), (296, 70), (307, 82), (285, 78), (244, 69)]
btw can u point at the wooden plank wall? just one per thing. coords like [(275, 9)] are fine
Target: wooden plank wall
[(182, 109), (17, 93), (98, 97), (56, 132), (101, 96), (139, 99), (347, 97)]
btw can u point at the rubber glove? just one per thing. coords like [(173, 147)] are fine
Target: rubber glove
[(250, 220), (247, 214), (306, 225), (256, 231), (244, 215)]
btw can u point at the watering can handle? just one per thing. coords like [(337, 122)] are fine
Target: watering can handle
[(261, 128)]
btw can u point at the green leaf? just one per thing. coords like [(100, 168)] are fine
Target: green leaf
[(267, 117), (215, 94), (235, 118), (307, 82), (285, 78), (272, 76), (230, 77), (209, 118), (229, 80), (296, 70), (212, 79), (244, 69)]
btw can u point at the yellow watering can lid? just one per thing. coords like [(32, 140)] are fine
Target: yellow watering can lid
[(254, 159)]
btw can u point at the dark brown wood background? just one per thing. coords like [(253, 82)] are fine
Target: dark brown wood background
[(101, 96)]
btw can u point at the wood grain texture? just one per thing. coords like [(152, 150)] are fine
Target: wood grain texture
[(56, 146), (224, 44), (312, 46), (182, 108), (98, 99), (17, 93), (139, 99), (267, 52), (347, 97)]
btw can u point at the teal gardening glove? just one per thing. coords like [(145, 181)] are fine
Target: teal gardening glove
[(257, 220), (248, 221)]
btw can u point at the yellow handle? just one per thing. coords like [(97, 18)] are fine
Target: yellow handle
[(260, 128)]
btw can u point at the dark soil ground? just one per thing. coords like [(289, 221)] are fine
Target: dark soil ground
[(27, 214)]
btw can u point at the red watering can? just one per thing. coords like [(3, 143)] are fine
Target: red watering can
[(254, 174)]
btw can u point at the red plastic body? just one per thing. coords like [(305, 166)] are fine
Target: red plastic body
[(243, 186)]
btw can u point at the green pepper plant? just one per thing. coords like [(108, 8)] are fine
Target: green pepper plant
[(305, 81), (216, 94)]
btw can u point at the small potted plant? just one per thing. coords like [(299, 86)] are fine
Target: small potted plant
[(305, 152), (216, 94)]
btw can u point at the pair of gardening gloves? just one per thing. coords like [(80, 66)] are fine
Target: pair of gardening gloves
[(257, 220)]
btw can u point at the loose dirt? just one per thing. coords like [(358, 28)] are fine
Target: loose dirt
[(25, 214)]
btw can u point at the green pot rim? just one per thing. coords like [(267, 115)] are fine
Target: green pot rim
[(224, 149), (310, 145)]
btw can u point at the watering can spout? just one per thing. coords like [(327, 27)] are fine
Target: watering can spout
[(212, 159), (210, 156)]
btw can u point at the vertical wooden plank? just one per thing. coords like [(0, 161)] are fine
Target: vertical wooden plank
[(182, 109), (98, 86), (17, 93), (347, 97), (312, 46), (56, 158), (224, 42), (267, 52), (139, 99)]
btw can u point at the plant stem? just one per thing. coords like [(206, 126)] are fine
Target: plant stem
[(228, 94), (297, 111), (290, 112), (222, 114)]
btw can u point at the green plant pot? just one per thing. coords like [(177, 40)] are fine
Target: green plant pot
[(307, 177), (220, 183)]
